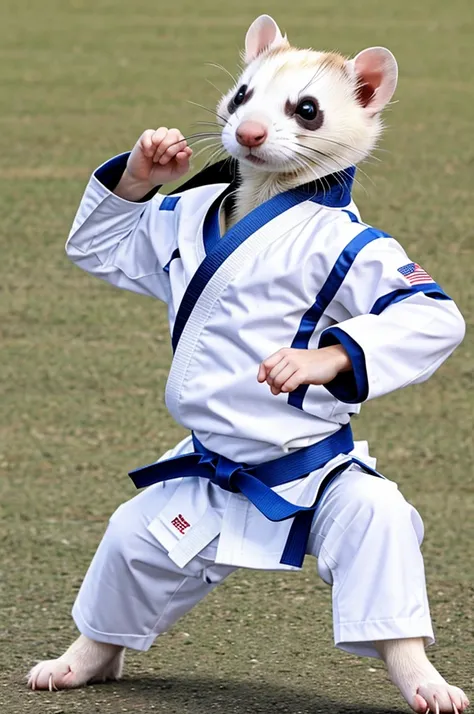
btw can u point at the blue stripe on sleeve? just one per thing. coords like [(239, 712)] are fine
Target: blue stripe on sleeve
[(327, 293), (169, 203), (349, 387), (433, 290), (111, 172)]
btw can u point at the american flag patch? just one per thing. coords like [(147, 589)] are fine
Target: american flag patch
[(415, 274)]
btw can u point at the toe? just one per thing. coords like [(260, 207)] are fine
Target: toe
[(456, 696), (429, 692), (51, 675), (442, 698), (420, 705), (463, 699), (459, 701), (32, 676)]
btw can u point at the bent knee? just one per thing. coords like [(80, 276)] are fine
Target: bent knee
[(377, 494), (379, 500)]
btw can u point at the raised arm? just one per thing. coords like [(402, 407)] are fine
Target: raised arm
[(119, 233)]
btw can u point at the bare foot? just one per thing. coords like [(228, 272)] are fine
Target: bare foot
[(419, 682), (85, 661)]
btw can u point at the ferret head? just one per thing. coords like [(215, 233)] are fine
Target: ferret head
[(303, 112)]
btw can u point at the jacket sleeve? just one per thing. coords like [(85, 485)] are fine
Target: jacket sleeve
[(395, 322), (127, 244)]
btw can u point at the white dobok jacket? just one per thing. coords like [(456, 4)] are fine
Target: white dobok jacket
[(301, 270)]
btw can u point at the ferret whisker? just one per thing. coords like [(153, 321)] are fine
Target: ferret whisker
[(346, 146), (221, 67), (194, 139), (355, 180), (309, 163), (219, 91), (192, 142), (204, 149), (233, 164), (339, 166), (216, 151), (206, 109), (227, 161), (200, 134), (201, 141), (207, 123), (337, 143), (214, 157), (327, 157), (333, 167)]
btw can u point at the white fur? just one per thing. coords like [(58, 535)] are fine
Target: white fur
[(419, 682), (293, 155), (85, 661)]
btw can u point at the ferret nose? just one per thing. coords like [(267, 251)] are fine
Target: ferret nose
[(251, 133)]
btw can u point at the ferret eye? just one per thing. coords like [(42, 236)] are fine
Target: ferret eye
[(240, 96), (307, 110)]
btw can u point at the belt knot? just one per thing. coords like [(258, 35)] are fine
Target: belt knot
[(225, 472)]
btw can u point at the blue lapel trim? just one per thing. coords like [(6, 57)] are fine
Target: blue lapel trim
[(336, 277), (337, 196), (211, 231), (225, 247), (219, 249)]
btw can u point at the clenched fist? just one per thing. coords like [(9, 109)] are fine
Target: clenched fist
[(158, 157), (285, 370)]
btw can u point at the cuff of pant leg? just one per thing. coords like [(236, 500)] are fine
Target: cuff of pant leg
[(358, 637), (142, 643)]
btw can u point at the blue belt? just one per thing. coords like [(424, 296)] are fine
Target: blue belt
[(256, 482)]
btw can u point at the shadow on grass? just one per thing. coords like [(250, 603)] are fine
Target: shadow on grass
[(202, 694)]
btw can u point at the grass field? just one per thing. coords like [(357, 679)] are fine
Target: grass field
[(83, 366)]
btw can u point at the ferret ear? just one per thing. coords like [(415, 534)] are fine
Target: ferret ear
[(262, 34), (377, 72)]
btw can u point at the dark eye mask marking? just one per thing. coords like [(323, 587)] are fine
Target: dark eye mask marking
[(242, 96), (302, 110)]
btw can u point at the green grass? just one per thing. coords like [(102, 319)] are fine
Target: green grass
[(84, 366)]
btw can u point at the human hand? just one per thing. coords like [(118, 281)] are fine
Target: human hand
[(285, 370), (157, 158)]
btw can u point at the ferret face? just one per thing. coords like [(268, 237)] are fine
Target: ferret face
[(300, 111)]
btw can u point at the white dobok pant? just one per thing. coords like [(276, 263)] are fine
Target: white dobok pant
[(365, 536)]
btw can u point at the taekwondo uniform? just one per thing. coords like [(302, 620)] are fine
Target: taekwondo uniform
[(263, 479)]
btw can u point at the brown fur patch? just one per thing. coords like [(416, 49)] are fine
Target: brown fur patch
[(335, 60), (307, 59)]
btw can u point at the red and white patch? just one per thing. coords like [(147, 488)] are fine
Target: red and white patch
[(415, 274), (180, 523)]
